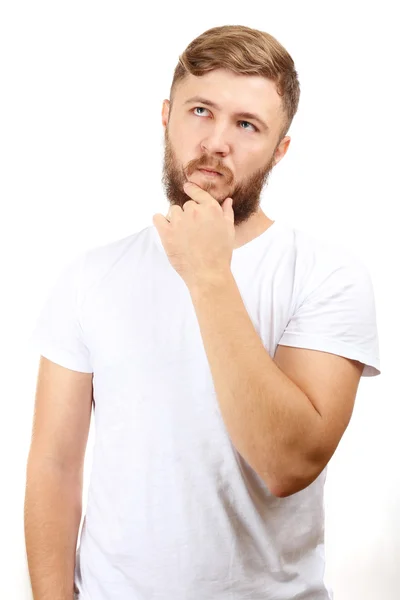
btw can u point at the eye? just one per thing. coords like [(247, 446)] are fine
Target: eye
[(200, 107), (251, 124), (254, 127)]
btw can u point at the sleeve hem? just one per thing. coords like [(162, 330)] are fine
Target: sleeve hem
[(60, 357), (371, 362)]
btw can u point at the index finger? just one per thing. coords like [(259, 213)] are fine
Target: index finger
[(197, 193)]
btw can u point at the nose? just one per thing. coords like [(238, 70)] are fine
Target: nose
[(215, 143)]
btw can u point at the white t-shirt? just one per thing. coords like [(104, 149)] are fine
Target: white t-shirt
[(173, 511)]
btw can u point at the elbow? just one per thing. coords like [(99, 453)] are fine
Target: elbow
[(283, 487), (284, 490)]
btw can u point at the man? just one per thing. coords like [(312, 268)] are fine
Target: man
[(223, 353)]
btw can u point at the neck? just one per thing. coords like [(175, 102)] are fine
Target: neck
[(252, 228)]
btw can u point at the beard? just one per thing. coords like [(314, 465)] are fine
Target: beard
[(245, 194)]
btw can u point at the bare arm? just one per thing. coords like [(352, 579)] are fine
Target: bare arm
[(53, 510), (54, 478), (285, 415)]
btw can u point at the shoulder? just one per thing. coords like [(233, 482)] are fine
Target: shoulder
[(322, 266), (323, 256), (106, 260)]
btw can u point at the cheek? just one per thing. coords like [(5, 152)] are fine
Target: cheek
[(181, 144), (174, 150), (256, 158)]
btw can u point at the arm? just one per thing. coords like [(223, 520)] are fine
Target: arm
[(53, 509), (53, 498), (285, 434)]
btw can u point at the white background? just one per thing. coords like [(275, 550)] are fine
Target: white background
[(82, 85)]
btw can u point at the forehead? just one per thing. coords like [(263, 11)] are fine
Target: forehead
[(234, 93)]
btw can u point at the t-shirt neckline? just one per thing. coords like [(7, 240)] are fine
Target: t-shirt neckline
[(236, 251), (257, 240)]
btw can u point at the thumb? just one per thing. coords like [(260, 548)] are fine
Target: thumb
[(161, 224), (227, 208)]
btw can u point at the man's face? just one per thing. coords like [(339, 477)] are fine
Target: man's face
[(240, 148)]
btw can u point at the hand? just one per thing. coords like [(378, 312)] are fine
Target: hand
[(198, 238)]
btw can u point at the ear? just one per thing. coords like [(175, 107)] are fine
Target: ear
[(281, 149), (165, 113)]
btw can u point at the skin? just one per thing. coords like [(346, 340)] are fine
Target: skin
[(285, 415), (197, 135)]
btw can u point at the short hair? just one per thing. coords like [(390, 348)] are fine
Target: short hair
[(244, 51)]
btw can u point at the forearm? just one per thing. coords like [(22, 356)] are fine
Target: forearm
[(52, 515), (270, 420)]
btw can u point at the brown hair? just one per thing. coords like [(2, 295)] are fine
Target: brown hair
[(244, 51)]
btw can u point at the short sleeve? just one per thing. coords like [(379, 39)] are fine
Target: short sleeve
[(338, 315), (58, 333)]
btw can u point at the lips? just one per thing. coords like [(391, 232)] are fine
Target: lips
[(209, 170)]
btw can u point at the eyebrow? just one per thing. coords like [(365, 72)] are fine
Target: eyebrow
[(243, 115)]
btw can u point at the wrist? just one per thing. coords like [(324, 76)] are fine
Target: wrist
[(210, 281)]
